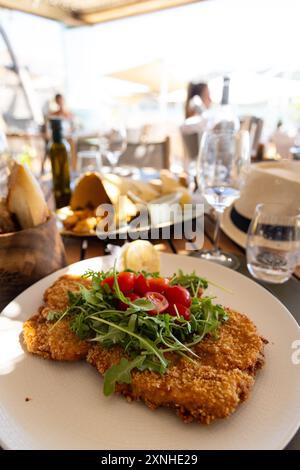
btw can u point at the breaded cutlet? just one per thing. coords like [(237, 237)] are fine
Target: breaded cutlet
[(51, 341), (210, 388)]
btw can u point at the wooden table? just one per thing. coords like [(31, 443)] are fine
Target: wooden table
[(95, 247), (288, 293)]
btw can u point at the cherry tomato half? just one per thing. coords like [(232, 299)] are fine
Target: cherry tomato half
[(109, 281), (131, 296), (126, 281), (141, 285), (158, 284), (182, 310), (178, 295), (159, 301)]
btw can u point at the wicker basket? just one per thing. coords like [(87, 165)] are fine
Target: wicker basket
[(27, 256)]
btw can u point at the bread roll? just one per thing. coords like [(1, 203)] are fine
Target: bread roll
[(25, 198)]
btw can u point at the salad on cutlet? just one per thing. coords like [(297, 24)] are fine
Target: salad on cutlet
[(148, 315)]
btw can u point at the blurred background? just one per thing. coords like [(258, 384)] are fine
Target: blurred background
[(133, 61)]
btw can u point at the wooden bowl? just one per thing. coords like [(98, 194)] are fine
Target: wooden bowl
[(27, 256)]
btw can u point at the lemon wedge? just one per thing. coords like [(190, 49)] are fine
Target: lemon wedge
[(141, 255)]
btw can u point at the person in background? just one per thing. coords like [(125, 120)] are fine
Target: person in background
[(56, 109), (280, 142), (198, 99), (61, 110)]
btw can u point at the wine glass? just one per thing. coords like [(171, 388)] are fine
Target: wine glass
[(113, 142), (222, 164), (273, 243)]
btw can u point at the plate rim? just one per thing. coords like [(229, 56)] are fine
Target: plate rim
[(125, 230)]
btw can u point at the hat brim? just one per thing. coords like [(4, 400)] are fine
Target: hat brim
[(231, 230)]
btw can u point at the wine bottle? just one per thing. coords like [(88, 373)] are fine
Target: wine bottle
[(223, 117), (225, 93), (59, 155)]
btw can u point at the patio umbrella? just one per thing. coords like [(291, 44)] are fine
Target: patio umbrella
[(156, 75)]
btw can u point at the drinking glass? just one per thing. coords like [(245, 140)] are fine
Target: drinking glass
[(273, 243), (113, 142), (222, 165), (88, 160)]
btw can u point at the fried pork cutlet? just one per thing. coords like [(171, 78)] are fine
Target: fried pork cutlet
[(210, 388), (55, 342)]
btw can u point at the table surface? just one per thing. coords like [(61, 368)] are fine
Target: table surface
[(288, 293)]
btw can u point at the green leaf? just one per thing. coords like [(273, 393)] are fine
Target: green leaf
[(79, 326), (120, 373), (132, 322), (192, 282), (152, 365), (53, 316), (142, 304), (89, 296), (72, 297)]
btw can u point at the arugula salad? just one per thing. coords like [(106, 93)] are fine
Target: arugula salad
[(146, 314)]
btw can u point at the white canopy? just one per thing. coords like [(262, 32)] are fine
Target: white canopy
[(79, 12)]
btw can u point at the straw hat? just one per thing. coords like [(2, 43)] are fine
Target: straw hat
[(267, 182)]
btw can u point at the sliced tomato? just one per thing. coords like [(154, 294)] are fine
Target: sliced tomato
[(141, 285), (109, 281), (158, 284), (126, 281), (181, 309), (159, 301), (131, 296), (178, 295)]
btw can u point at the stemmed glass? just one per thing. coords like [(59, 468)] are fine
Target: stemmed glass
[(222, 164), (113, 142)]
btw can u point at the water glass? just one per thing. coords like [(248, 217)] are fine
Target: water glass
[(113, 143), (273, 243), (88, 160)]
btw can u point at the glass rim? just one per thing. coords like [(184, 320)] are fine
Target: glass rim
[(217, 132), (291, 212)]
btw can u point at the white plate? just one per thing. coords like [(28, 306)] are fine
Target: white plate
[(67, 409)]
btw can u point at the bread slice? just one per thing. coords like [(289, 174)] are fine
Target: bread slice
[(89, 192), (25, 198), (119, 185)]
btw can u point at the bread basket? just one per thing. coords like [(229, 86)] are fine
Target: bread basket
[(27, 256)]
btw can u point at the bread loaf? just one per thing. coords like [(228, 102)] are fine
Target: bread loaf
[(25, 198)]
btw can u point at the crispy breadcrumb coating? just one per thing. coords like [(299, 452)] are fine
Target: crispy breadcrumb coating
[(52, 341), (210, 388)]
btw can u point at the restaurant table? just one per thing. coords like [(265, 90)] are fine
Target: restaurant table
[(78, 248), (288, 293)]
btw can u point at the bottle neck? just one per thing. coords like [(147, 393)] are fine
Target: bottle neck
[(225, 94), (57, 137), (57, 131)]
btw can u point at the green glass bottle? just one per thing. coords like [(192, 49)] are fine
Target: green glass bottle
[(59, 155)]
